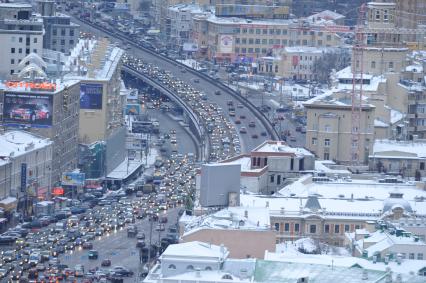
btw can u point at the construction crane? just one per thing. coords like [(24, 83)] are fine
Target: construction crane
[(357, 87)]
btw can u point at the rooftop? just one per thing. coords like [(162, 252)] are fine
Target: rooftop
[(281, 147), (16, 143), (241, 218), (198, 249), (399, 149)]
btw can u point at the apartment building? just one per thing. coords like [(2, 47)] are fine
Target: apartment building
[(179, 24), (244, 40), (254, 9), (60, 33), (21, 33), (329, 120)]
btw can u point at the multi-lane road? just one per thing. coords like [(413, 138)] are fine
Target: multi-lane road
[(208, 87)]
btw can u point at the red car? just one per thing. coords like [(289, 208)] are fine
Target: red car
[(30, 112)]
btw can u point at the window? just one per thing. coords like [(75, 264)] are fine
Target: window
[(251, 41), (20, 40), (277, 226), (251, 31), (27, 51), (327, 142), (13, 39), (314, 141), (357, 227), (276, 68), (272, 178), (336, 228), (327, 228), (327, 128), (12, 71), (390, 65), (243, 50), (62, 41), (71, 42), (244, 30), (296, 227), (326, 156), (422, 166), (377, 15), (244, 40), (34, 50), (172, 266), (312, 229), (190, 267), (257, 41), (35, 40), (411, 256), (373, 64), (278, 179), (12, 61), (55, 32), (264, 31), (287, 227), (71, 32), (347, 228), (227, 276), (20, 50), (237, 40), (250, 50), (420, 256), (63, 32), (237, 50), (257, 31)]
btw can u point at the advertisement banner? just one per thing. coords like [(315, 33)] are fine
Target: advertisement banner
[(226, 43), (133, 109), (30, 109), (72, 179), (91, 96), (190, 47)]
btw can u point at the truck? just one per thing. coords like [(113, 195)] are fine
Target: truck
[(158, 162), (147, 188), (132, 231)]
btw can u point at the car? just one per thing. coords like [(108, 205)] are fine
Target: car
[(293, 139), (140, 236), (87, 245), (160, 227), (121, 271), (254, 136), (79, 270), (239, 105), (243, 130), (217, 92), (140, 244), (242, 116), (196, 80), (93, 254), (252, 124), (232, 113), (237, 122), (263, 134), (106, 262), (183, 70)]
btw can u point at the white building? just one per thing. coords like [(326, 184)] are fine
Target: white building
[(205, 263), (270, 165), (21, 33), (18, 148)]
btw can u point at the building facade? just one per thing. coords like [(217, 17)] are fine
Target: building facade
[(21, 33), (60, 34)]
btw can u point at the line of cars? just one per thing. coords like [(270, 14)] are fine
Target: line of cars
[(213, 118), (37, 251)]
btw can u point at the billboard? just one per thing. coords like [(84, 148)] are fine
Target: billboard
[(190, 47), (226, 43), (133, 109), (30, 109), (72, 179), (91, 96)]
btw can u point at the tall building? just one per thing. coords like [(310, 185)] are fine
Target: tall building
[(21, 33), (45, 106), (60, 33), (97, 64), (265, 9)]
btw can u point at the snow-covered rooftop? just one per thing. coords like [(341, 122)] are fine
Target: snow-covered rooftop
[(241, 218), (281, 147), (245, 162), (399, 149), (16, 143), (195, 248)]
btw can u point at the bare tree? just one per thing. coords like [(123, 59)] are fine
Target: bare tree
[(331, 60)]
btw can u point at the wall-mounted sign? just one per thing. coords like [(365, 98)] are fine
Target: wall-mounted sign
[(31, 85)]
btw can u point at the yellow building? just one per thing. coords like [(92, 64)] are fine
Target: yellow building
[(236, 39)]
